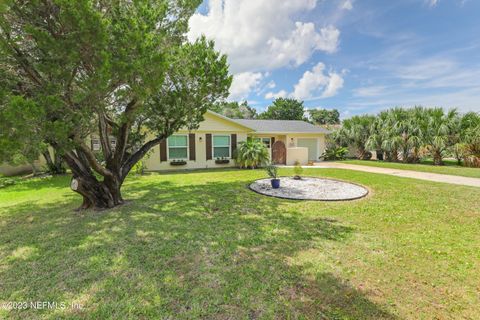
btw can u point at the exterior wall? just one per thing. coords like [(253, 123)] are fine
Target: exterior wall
[(297, 154), (276, 136), (8, 170), (213, 125), (292, 140)]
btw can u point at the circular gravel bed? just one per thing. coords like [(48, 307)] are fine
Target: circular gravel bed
[(310, 189)]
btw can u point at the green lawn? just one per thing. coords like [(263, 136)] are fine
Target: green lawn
[(450, 167), (201, 245)]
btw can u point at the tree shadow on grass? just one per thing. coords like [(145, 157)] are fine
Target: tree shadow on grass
[(210, 250)]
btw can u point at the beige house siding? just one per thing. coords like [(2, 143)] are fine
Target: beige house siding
[(40, 164), (212, 124), (292, 141), (294, 152)]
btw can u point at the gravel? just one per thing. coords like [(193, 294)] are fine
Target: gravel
[(310, 189)]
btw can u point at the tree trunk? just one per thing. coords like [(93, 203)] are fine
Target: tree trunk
[(437, 158), (405, 155), (97, 195), (54, 167)]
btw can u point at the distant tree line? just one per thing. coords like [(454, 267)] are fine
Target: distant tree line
[(280, 109), (407, 135)]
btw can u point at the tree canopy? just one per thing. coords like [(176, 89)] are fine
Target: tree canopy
[(73, 68), (284, 109), (324, 116), (409, 134), (235, 110)]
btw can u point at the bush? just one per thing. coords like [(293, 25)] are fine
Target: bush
[(298, 170), (335, 153), (251, 154), (139, 168)]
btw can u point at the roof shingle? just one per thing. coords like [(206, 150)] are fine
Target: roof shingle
[(281, 126)]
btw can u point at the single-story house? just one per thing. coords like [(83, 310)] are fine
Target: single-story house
[(213, 143), (217, 137)]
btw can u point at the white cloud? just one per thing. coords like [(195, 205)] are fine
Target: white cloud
[(271, 85), (347, 5), (369, 91), (317, 81), (275, 95), (243, 83), (431, 3), (263, 35), (335, 83)]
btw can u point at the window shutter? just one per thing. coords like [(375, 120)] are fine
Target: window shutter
[(233, 142), (208, 145), (163, 150), (191, 145), (273, 141)]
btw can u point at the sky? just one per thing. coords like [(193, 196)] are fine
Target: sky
[(358, 56)]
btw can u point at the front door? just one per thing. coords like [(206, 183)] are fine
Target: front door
[(279, 153), (311, 144)]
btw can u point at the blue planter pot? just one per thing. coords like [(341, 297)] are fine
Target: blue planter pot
[(275, 183)]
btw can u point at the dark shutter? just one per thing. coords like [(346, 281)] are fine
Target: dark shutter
[(272, 142), (163, 150), (191, 145), (208, 145), (233, 142)]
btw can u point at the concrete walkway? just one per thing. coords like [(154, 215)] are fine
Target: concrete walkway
[(465, 181)]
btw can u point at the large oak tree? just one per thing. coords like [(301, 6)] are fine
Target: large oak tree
[(112, 68)]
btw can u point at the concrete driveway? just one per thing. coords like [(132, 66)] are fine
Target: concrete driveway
[(465, 181)]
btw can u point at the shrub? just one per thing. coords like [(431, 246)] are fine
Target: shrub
[(335, 153), (139, 168), (297, 169), (251, 154)]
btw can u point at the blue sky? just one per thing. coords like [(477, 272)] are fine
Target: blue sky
[(359, 56)]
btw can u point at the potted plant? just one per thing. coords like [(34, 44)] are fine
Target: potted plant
[(272, 172), (298, 170), (222, 160)]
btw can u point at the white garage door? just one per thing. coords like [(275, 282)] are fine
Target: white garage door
[(311, 144)]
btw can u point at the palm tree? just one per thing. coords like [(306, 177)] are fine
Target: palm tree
[(251, 154), (438, 132), (355, 132), (470, 138), (377, 135)]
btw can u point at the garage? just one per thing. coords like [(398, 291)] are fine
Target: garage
[(312, 145)]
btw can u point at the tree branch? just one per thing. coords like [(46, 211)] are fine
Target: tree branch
[(21, 58), (138, 155), (92, 161), (123, 132), (104, 136)]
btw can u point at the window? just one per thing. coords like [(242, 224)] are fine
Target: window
[(95, 144), (221, 146), (266, 141), (178, 147)]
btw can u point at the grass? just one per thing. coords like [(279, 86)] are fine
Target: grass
[(450, 167), (201, 245)]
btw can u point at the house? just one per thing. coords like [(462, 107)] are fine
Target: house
[(213, 143)]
